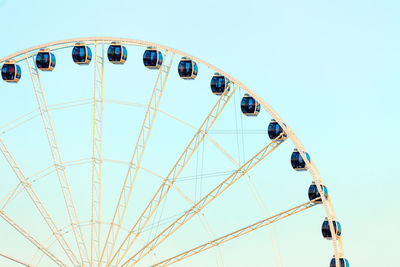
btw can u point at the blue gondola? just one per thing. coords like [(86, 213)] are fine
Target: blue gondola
[(326, 231), (250, 106), (219, 84), (187, 69), (81, 54), (11, 71), (152, 58), (275, 130), (298, 162), (343, 262), (314, 194), (117, 53), (45, 60)]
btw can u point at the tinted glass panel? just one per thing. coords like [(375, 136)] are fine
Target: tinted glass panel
[(185, 68), (89, 54), (114, 53), (339, 228), (160, 58), (325, 191), (248, 105), (274, 130), (53, 60), (218, 84), (150, 58), (18, 72), (10, 72), (343, 262), (313, 192), (79, 54), (43, 60), (326, 232), (125, 53), (297, 161)]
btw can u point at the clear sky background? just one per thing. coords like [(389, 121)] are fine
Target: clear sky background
[(329, 68)]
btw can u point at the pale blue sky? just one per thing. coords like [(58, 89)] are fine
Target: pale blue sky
[(329, 68)]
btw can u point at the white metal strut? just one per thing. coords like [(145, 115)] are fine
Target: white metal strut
[(27, 186), (14, 259), (137, 156), (31, 239), (173, 175), (58, 162), (201, 204), (97, 154), (237, 233)]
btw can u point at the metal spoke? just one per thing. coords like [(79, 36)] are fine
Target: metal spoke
[(37, 202), (136, 157), (31, 239), (173, 174), (97, 155), (237, 233), (213, 194), (13, 259), (66, 229), (58, 162)]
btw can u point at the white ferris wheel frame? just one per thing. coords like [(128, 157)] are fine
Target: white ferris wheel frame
[(327, 203)]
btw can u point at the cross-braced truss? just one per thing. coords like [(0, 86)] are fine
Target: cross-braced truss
[(97, 153), (58, 162), (137, 155)]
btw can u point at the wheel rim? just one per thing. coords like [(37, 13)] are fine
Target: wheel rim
[(328, 207)]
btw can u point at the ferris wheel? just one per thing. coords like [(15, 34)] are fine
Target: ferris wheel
[(107, 162)]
